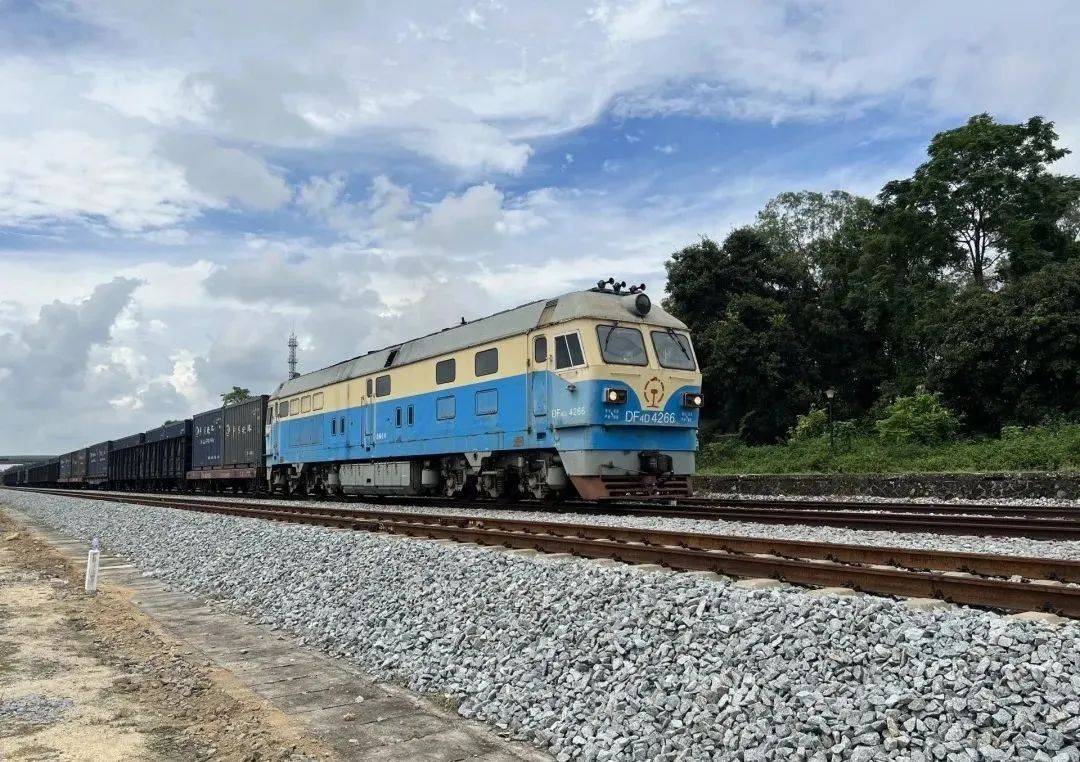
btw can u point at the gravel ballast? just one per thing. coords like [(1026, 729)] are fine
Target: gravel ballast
[(610, 662), (1014, 546)]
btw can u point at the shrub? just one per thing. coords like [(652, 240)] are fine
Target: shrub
[(919, 418), (809, 426)]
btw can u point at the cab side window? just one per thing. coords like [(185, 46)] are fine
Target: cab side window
[(540, 350), (568, 352), (487, 362), (445, 371)]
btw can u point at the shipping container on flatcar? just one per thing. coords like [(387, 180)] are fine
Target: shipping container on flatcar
[(64, 473), (245, 435), (78, 467), (97, 463), (124, 461), (167, 455), (207, 440), (228, 447)]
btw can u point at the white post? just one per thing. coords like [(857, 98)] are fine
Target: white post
[(92, 567)]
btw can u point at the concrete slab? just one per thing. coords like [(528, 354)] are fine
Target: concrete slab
[(1040, 617), (758, 583), (834, 592), (926, 604)]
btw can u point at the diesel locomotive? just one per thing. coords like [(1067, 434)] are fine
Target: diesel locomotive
[(594, 393)]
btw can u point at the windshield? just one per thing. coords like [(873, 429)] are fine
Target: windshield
[(621, 346), (673, 350)]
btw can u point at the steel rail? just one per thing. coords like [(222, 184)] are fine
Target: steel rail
[(892, 571), (997, 526)]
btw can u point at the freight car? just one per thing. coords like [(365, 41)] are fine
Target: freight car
[(595, 391), (227, 450)]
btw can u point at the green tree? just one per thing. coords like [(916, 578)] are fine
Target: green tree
[(237, 395), (746, 305), (987, 191), (1013, 356)]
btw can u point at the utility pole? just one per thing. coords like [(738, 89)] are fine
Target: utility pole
[(293, 344)]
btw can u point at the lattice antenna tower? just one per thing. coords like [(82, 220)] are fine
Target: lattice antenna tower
[(293, 344)]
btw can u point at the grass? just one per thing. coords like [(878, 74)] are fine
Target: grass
[(1032, 449)]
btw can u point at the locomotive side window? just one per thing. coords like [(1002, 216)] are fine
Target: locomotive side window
[(305, 403), (282, 409), (540, 350), (294, 406), (673, 350), (369, 387), (621, 346), (382, 386), (487, 362), (568, 352), (317, 401), (445, 371)]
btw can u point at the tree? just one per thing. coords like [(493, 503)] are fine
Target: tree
[(1013, 356), (746, 305), (986, 189), (236, 396), (798, 223)]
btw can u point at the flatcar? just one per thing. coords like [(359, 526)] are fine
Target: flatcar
[(595, 393)]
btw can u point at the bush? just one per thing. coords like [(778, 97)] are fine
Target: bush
[(809, 426), (1033, 448), (920, 418)]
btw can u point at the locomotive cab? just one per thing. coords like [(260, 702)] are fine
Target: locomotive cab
[(625, 395)]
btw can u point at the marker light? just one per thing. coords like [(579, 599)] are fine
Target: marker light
[(615, 396), (692, 399)]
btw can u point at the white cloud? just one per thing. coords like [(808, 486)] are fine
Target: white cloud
[(472, 89), (226, 173), (67, 175)]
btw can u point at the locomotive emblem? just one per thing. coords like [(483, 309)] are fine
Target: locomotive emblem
[(654, 392)]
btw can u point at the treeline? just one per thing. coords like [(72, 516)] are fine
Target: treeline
[(961, 281)]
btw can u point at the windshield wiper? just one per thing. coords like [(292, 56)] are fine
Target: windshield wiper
[(611, 330), (675, 337)]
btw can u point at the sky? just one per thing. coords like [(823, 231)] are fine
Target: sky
[(183, 184)]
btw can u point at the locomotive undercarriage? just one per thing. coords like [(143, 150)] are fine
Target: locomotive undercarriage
[(537, 474)]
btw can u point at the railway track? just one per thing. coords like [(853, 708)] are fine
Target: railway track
[(1003, 521), (965, 578)]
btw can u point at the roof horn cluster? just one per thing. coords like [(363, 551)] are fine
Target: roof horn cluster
[(611, 286)]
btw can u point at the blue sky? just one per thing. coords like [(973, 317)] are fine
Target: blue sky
[(182, 185)]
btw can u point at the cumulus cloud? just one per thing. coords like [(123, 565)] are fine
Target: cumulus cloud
[(226, 173), (49, 355)]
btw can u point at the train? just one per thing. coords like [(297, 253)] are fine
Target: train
[(594, 394)]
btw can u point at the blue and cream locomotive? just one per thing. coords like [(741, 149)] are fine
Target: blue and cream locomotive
[(595, 392)]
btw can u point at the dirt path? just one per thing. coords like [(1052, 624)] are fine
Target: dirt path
[(91, 678)]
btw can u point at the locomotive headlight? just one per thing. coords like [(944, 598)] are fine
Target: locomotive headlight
[(615, 396), (692, 399)]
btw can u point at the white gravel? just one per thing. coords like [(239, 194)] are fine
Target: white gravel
[(609, 662), (1015, 546)]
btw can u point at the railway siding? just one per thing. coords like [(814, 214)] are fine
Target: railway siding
[(582, 658)]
